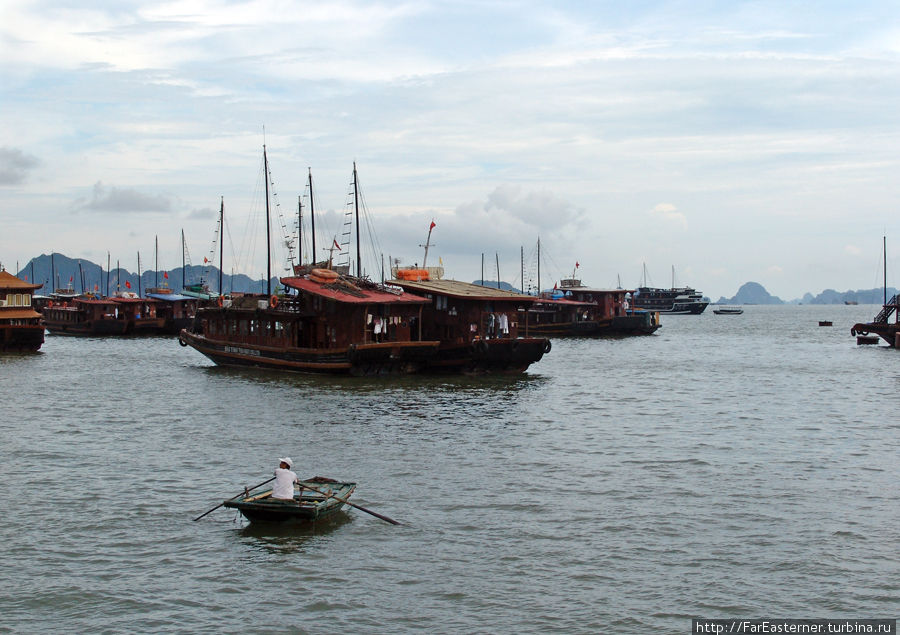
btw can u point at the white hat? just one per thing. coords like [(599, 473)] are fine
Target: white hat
[(287, 460)]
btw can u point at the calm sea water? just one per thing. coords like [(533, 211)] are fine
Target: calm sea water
[(729, 466)]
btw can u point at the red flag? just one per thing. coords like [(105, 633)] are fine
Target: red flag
[(336, 245), (205, 260), (430, 227), (554, 286), (577, 265), (95, 287), (71, 278), (166, 275), (127, 284), (26, 277)]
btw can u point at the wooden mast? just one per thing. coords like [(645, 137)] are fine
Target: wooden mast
[(312, 219), (156, 262), (356, 209), (183, 278), (268, 232), (221, 241), (300, 230)]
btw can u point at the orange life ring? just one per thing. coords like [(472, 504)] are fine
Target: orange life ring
[(273, 301), (219, 301), (325, 274)]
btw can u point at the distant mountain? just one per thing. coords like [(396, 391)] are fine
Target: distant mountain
[(752, 293), (860, 296), (755, 293), (83, 275)]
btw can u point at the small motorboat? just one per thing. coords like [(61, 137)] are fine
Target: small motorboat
[(728, 310), (825, 323), (314, 498)]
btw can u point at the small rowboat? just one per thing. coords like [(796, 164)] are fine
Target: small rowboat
[(307, 505)]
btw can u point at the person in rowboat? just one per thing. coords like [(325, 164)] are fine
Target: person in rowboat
[(284, 480)]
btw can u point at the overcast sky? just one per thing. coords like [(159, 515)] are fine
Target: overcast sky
[(731, 141)]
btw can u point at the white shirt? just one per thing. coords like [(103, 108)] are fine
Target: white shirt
[(284, 484)]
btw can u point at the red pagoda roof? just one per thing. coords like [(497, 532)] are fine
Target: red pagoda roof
[(9, 281)]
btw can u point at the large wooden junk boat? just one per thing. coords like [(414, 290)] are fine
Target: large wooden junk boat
[(332, 324), (480, 329), (20, 327), (574, 309)]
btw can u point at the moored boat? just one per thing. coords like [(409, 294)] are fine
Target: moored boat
[(881, 325), (20, 327), (84, 316), (480, 329), (675, 300), (574, 309), (728, 310), (307, 505), (331, 324)]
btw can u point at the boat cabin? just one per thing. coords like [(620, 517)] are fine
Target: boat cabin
[(20, 327)]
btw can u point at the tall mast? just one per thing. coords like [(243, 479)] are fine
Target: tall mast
[(140, 291), (539, 266), (183, 275), (118, 277), (156, 262), (268, 233), (884, 240), (482, 268), (108, 267), (356, 208), (81, 275), (522, 265), (497, 256), (312, 219), (300, 229), (221, 241), (53, 271)]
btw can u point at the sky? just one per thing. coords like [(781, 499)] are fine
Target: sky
[(715, 143)]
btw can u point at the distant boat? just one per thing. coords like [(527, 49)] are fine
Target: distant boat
[(675, 300), (825, 323), (728, 310), (851, 302)]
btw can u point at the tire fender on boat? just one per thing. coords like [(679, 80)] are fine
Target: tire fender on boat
[(547, 347), (273, 301), (181, 341)]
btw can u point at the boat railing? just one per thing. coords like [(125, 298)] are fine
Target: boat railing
[(887, 311)]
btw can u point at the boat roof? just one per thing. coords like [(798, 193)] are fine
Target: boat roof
[(564, 302), (351, 294), (132, 300), (170, 297), (18, 314), (9, 281), (96, 301), (459, 289)]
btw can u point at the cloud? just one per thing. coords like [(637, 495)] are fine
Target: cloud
[(15, 165), (774, 270), (852, 250), (114, 199), (670, 214)]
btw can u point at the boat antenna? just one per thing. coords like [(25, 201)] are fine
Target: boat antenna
[(221, 241), (268, 237), (427, 244)]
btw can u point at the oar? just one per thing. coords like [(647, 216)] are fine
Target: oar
[(232, 498), (305, 485)]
